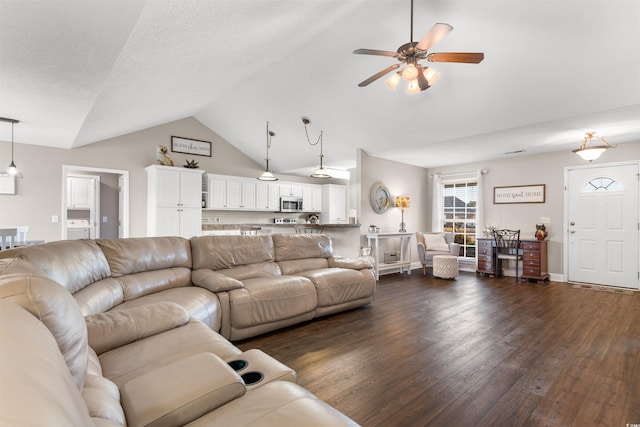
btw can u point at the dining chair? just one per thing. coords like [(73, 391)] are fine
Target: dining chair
[(507, 248), (7, 237)]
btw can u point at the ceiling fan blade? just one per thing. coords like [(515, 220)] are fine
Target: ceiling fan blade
[(465, 57), (376, 52), (378, 75), (434, 35)]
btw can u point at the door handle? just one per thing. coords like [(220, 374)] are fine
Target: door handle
[(572, 231), (572, 223)]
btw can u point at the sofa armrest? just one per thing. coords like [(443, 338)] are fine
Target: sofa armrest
[(214, 281), (116, 328), (179, 392), (421, 251), (354, 264), (454, 248)]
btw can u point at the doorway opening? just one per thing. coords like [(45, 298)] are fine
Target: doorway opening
[(95, 202)]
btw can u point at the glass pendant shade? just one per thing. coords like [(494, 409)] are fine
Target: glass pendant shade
[(393, 81), (410, 72), (413, 87), (431, 75), (591, 152)]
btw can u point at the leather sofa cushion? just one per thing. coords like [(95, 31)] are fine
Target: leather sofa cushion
[(180, 392), (100, 296), (214, 281), (356, 264), (143, 283), (54, 306), (116, 328), (218, 252), (41, 391), (340, 285), (102, 398), (135, 255), (269, 299), (251, 271), (275, 404), (125, 363), (200, 303), (72, 263), (297, 266), (300, 246)]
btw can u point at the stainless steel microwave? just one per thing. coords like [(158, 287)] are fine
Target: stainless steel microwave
[(290, 204)]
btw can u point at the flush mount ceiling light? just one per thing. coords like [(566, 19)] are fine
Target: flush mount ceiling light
[(267, 175), (320, 172), (591, 152), (419, 78), (12, 169)]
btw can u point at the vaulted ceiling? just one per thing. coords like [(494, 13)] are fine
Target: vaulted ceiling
[(75, 72)]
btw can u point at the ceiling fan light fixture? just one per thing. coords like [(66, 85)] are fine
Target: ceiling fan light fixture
[(410, 72), (431, 75), (414, 86), (393, 81), (591, 152)]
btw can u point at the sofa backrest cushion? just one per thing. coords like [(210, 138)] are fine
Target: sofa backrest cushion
[(251, 271), (219, 252), (299, 246), (37, 389), (74, 264), (135, 255), (296, 266), (58, 311)]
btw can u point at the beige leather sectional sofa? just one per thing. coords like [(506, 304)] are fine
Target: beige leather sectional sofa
[(134, 331)]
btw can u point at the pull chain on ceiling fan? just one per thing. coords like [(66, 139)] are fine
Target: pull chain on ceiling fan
[(419, 77)]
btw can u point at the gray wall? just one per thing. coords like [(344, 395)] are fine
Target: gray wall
[(39, 193), (545, 169)]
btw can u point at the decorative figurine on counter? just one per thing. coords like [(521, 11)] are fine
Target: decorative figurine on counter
[(162, 155), (541, 232)]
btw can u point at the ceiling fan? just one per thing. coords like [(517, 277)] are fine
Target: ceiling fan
[(419, 77)]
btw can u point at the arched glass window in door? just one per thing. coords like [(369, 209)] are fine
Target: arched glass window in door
[(602, 183)]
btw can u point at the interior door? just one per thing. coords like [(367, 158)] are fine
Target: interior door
[(603, 225)]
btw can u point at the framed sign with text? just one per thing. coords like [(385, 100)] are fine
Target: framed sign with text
[(190, 146), (519, 194), (7, 184)]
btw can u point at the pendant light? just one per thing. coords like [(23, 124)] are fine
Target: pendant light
[(12, 169), (267, 175), (320, 172), (592, 152)]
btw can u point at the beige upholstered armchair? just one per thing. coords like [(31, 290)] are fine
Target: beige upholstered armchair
[(431, 244)]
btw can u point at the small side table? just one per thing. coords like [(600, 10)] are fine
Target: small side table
[(445, 266), (404, 263)]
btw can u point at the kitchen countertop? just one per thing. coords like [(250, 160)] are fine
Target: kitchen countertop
[(269, 225)]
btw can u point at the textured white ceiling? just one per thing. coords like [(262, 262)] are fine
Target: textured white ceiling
[(78, 71)]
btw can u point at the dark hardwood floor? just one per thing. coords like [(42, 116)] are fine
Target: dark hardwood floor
[(474, 351)]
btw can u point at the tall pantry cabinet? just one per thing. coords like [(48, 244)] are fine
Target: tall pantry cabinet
[(174, 201)]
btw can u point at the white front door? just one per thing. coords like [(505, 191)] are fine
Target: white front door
[(602, 225)]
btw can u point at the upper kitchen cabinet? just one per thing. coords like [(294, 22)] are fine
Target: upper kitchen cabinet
[(311, 198), (334, 204), (288, 189)]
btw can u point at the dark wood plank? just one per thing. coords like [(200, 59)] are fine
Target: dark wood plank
[(472, 351)]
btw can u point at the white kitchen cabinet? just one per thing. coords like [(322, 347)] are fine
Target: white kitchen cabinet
[(267, 196), (80, 192), (241, 195), (174, 201), (217, 192), (334, 204), (288, 189), (311, 198)]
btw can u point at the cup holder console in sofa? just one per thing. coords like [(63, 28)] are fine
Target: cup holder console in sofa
[(256, 368)]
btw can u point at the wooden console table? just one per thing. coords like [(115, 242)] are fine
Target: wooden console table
[(534, 259), (405, 252)]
